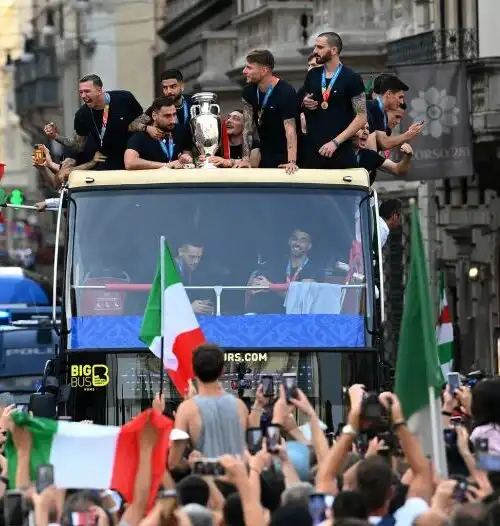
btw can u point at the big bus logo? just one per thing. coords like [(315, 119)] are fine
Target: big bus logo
[(89, 377)]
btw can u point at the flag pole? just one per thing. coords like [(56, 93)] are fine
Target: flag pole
[(162, 308)]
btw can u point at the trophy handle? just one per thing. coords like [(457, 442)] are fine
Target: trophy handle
[(193, 111), (216, 106)]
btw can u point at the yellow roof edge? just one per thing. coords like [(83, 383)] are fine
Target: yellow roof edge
[(95, 179)]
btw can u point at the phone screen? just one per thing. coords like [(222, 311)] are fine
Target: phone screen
[(460, 491), (267, 385), (254, 439), (13, 508), (290, 383), (44, 477), (487, 462), (83, 518), (454, 382), (318, 505), (273, 437)]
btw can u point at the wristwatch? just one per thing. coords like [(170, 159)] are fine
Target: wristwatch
[(349, 430), (337, 144)]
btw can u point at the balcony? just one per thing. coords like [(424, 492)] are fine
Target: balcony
[(36, 83), (274, 25), (433, 46)]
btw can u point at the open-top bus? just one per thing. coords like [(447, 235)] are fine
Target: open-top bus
[(232, 228)]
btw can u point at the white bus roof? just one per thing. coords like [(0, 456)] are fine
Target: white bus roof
[(89, 179)]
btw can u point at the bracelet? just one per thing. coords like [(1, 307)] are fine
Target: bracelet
[(337, 143), (259, 409), (397, 425), (446, 413)]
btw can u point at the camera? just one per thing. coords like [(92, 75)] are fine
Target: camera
[(208, 466), (373, 414)]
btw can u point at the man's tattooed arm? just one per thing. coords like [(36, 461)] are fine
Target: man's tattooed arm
[(360, 119), (137, 124), (248, 129), (291, 139), (75, 143)]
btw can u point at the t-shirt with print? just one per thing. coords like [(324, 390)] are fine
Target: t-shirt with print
[(123, 109), (151, 150), (281, 106)]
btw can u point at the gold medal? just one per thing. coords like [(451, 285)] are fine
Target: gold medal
[(324, 105)]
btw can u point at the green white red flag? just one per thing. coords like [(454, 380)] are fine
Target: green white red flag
[(182, 333), (444, 330)]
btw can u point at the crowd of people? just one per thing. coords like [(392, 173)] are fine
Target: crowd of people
[(237, 466), (331, 122)]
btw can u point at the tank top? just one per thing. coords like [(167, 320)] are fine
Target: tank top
[(221, 430)]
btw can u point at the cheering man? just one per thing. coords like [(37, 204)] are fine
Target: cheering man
[(234, 125), (335, 98), (107, 116), (270, 104), (145, 153)]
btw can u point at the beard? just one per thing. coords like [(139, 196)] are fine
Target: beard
[(324, 59)]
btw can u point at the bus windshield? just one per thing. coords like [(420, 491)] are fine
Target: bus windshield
[(265, 267)]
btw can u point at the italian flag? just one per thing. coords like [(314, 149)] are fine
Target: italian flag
[(182, 333), (91, 456), (418, 373), (444, 331)]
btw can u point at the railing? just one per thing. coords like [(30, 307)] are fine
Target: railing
[(433, 46)]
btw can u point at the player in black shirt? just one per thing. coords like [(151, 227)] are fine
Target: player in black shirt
[(335, 98), (370, 160), (107, 117), (145, 153), (270, 104)]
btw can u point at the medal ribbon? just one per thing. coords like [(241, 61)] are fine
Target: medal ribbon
[(168, 148), (289, 277), (185, 111), (105, 115), (381, 106), (266, 97), (324, 90)]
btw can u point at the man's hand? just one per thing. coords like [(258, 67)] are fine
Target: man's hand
[(99, 157), (242, 163), (220, 162), (235, 468), (328, 149), (414, 131), (356, 394), (302, 403), (406, 149), (392, 401), (374, 446), (290, 168), (176, 165), (185, 158), (47, 160), (260, 281), (309, 102), (202, 307), (50, 130), (450, 403), (464, 396), (6, 422), (281, 408), (154, 132)]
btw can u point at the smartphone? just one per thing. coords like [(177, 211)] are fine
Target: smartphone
[(454, 382), (13, 508), (273, 437), (319, 503), (290, 383), (44, 477), (209, 467), (254, 439), (267, 385), (450, 437), (83, 518), (460, 491)]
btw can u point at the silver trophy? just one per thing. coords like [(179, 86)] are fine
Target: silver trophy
[(206, 125)]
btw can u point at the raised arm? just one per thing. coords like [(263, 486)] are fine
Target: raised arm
[(386, 142), (75, 143), (360, 119), (248, 129)]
